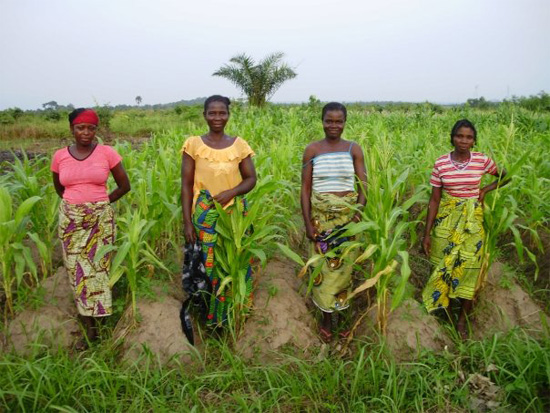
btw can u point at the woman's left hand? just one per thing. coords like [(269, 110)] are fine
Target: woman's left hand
[(223, 198), (482, 194)]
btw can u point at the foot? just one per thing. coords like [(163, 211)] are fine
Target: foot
[(462, 331), (325, 334), (81, 345), (344, 333)]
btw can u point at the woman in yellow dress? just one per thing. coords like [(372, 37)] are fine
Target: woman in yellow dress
[(215, 168)]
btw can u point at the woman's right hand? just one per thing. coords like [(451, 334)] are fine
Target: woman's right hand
[(189, 233), (426, 244), (311, 233)]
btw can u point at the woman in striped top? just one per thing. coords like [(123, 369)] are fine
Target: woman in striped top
[(330, 169), (455, 214)]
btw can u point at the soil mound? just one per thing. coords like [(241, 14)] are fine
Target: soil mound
[(158, 331), (502, 305), (53, 325), (280, 319), (409, 330)]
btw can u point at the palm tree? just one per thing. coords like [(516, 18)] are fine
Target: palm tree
[(258, 81), (138, 100)]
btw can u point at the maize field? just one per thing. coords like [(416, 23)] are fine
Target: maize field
[(400, 147)]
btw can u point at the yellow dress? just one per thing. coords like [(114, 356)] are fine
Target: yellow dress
[(216, 170)]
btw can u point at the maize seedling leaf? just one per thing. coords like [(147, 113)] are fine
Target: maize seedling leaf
[(5, 205), (26, 251), (371, 282), (25, 207), (242, 284), (533, 259), (115, 276), (291, 254), (309, 262), (517, 242), (399, 293), (42, 248), (19, 268), (152, 258), (355, 228), (260, 254), (224, 284), (221, 230), (371, 249)]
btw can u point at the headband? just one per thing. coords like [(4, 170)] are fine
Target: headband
[(88, 116)]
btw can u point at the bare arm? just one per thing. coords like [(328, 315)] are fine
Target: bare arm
[(57, 185), (122, 182), (433, 207), (305, 194), (248, 174), (361, 173), (187, 178), (493, 185)]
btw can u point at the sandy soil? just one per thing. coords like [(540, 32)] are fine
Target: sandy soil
[(53, 325), (280, 319), (503, 305), (409, 330), (158, 331)]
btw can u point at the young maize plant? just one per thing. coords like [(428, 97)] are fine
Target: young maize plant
[(15, 256), (32, 178), (384, 225), (134, 256), (500, 213), (242, 235)]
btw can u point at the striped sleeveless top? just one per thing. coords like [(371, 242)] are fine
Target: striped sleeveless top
[(333, 172)]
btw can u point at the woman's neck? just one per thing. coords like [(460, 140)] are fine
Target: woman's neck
[(458, 155), (215, 136)]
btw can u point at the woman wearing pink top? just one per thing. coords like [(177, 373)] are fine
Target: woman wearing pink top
[(455, 214), (86, 219)]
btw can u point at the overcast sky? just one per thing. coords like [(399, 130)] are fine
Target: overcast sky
[(110, 51)]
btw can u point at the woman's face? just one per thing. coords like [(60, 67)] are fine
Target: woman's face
[(84, 133), (464, 139), (216, 116), (333, 123)]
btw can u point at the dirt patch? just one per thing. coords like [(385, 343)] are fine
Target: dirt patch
[(503, 305), (53, 325), (158, 331), (409, 330), (280, 320)]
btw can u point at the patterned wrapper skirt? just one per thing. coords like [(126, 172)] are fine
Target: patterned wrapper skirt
[(331, 287), (82, 229), (205, 217), (456, 252)]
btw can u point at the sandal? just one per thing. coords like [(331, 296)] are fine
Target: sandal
[(326, 336), (344, 334)]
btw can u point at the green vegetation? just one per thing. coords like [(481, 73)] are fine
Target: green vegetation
[(371, 381), (258, 81), (400, 145)]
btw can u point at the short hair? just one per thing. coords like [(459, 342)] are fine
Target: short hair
[(74, 114), (334, 106), (217, 98), (463, 123)]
